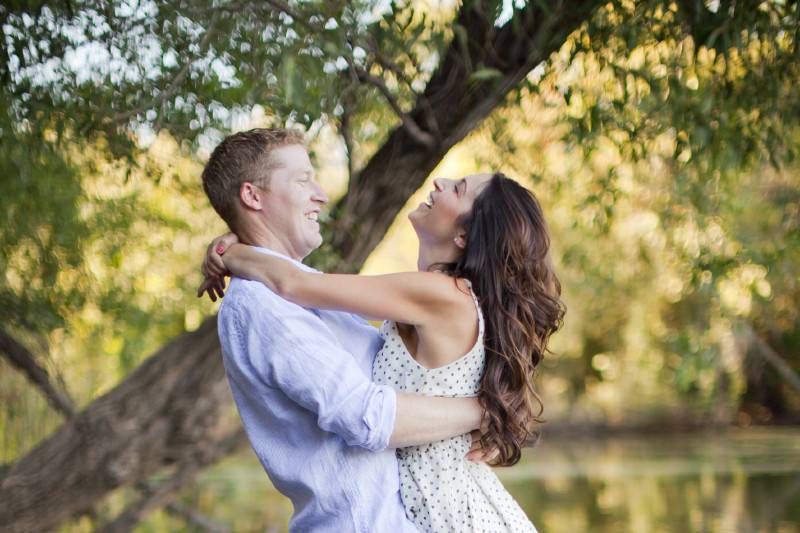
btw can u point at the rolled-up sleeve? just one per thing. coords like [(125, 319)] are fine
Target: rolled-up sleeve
[(291, 349)]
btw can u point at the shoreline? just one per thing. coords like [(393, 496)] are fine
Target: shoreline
[(652, 428)]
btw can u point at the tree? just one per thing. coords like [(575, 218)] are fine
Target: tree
[(313, 60)]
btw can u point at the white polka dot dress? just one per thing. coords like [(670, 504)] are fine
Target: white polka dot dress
[(442, 491)]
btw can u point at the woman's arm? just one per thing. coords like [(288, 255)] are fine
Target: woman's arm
[(213, 268), (408, 297)]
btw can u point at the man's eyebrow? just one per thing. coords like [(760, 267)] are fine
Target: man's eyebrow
[(273, 165)]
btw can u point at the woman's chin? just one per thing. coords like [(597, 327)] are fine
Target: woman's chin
[(413, 216), (418, 226)]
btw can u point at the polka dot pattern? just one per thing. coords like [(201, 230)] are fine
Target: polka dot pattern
[(441, 491)]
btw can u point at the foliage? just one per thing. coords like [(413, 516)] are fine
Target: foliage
[(646, 135), (196, 69), (99, 264), (670, 178)]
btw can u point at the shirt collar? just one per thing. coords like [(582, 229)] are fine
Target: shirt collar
[(297, 263)]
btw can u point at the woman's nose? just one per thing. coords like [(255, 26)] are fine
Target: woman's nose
[(437, 183)]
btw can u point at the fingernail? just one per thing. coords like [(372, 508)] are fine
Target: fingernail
[(220, 249)]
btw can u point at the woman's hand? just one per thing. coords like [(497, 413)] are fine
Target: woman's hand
[(215, 287), (214, 269), (213, 266)]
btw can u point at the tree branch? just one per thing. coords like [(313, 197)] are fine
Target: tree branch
[(422, 137), (388, 65), (196, 518), (174, 85), (347, 136), (287, 9), (771, 356), (155, 496), (23, 359), (704, 25)]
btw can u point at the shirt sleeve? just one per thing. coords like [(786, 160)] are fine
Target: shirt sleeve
[(291, 349)]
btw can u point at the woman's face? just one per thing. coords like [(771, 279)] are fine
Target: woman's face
[(437, 218)]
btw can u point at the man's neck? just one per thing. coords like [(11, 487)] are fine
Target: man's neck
[(264, 238)]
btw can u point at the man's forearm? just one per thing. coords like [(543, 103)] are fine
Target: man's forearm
[(424, 419)]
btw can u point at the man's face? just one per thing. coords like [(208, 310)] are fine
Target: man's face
[(293, 201)]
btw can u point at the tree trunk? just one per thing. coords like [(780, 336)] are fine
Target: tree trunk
[(453, 104), (162, 413), (171, 406)]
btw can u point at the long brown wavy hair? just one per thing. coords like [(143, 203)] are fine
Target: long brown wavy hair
[(506, 259)]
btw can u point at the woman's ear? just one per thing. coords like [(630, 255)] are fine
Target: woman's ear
[(461, 240)]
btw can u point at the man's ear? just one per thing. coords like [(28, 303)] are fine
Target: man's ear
[(251, 196), (461, 240)]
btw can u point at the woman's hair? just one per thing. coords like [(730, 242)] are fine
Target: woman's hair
[(506, 259)]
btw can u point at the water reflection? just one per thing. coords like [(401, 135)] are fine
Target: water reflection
[(737, 481)]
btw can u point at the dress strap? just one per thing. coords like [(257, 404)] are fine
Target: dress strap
[(477, 306)]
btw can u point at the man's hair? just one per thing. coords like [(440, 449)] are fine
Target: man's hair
[(242, 157)]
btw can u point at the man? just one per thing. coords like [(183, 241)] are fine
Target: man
[(323, 431)]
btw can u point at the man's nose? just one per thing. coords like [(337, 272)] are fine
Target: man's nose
[(319, 195), (438, 184)]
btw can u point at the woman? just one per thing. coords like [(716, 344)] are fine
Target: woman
[(474, 320)]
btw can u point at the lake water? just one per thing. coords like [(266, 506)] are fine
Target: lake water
[(737, 481)]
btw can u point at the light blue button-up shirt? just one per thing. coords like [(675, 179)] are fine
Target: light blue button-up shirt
[(318, 424)]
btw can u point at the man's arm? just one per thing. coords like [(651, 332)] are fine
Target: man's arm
[(424, 419)]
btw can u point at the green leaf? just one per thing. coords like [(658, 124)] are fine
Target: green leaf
[(484, 74)]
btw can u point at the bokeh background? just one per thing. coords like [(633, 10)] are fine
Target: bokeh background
[(660, 138)]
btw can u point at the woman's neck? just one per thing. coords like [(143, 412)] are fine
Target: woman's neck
[(431, 254)]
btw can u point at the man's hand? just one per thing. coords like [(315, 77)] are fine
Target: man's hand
[(477, 453)]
